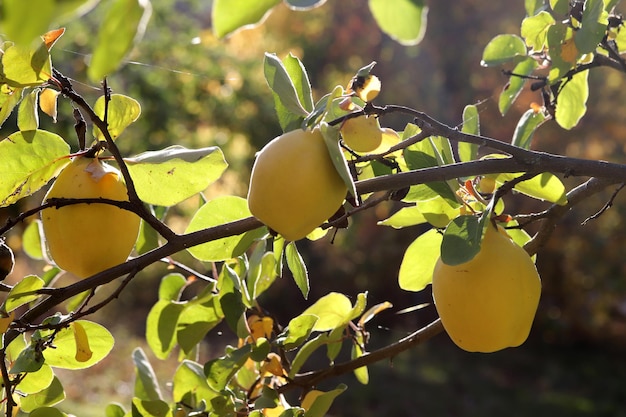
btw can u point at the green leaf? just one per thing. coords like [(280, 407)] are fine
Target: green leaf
[(122, 112), (416, 269), (216, 212), (471, 125), (289, 84), (30, 160), (361, 374), (146, 383), (173, 174), (300, 79), (229, 15), (535, 30), (461, 240), (557, 35), (221, 370), (27, 115), (331, 138), (29, 360), (194, 322), (321, 404), (47, 412), (151, 408), (161, 325), (114, 410), (298, 331), (190, 384), (406, 216), (51, 395), (333, 310), (147, 239), (122, 28), (171, 286), (403, 20), (503, 48), (559, 6), (263, 276), (31, 240), (426, 154), (23, 292), (298, 268), (571, 104), (306, 351), (100, 342), (512, 89), (230, 300), (9, 97), (23, 66), (36, 381), (525, 129), (545, 186), (595, 20), (533, 6)]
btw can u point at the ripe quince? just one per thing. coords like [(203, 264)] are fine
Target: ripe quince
[(85, 239), (294, 186), (488, 303)]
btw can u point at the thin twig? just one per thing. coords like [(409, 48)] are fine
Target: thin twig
[(607, 206)]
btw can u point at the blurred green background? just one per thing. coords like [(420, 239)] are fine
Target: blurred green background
[(196, 91)]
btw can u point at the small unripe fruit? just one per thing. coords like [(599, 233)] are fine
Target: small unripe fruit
[(362, 134), (85, 239), (488, 303), (294, 186)]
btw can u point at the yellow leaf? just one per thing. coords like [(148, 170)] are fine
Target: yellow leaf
[(83, 351), (48, 102)]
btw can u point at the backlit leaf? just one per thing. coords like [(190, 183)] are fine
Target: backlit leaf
[(64, 356), (503, 48), (298, 268), (403, 20), (534, 30), (49, 396), (31, 240), (594, 22), (471, 125), (318, 403), (297, 331), (289, 108), (194, 322), (406, 216), (528, 123), (333, 310), (23, 66), (30, 160), (545, 186), (122, 27), (9, 97), (229, 15), (27, 115), (173, 174), (161, 326), (416, 269), (36, 381), (122, 111), (220, 371), (331, 138), (190, 384), (571, 104), (23, 292), (512, 89), (219, 211)]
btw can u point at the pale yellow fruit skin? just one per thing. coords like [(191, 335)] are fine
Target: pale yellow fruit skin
[(362, 134), (294, 186), (85, 239), (488, 303)]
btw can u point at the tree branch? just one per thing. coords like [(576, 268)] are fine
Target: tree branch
[(310, 379)]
